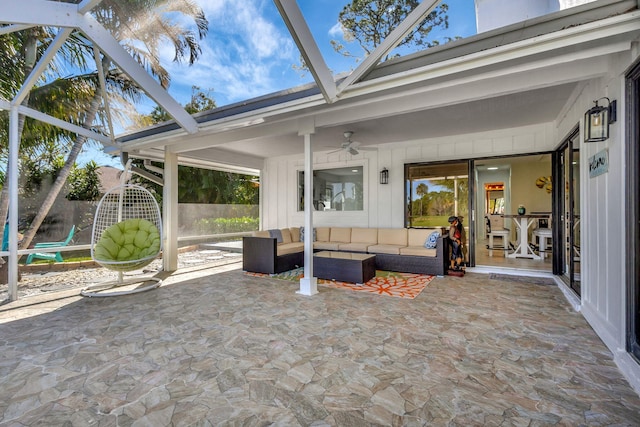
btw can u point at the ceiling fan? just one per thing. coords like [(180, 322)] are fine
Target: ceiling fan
[(350, 146)]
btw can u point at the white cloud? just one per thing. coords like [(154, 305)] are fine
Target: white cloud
[(337, 31), (243, 56)]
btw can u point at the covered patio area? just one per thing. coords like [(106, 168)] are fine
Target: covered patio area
[(214, 346)]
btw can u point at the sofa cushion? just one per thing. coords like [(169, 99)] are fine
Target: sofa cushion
[(417, 236), (295, 234), (385, 249), (418, 251), (131, 240), (326, 246), (286, 235), (392, 236), (260, 233), (364, 235), (354, 247), (290, 248), (340, 235), (323, 234)]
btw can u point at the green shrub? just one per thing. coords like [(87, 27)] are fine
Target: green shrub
[(226, 225)]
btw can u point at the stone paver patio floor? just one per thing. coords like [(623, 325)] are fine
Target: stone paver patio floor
[(217, 347)]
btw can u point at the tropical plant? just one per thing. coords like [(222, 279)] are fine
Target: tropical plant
[(84, 183), (226, 225), (370, 22), (196, 185), (200, 101), (421, 190), (140, 26)]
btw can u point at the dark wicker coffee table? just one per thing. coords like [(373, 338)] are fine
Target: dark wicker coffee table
[(344, 266)]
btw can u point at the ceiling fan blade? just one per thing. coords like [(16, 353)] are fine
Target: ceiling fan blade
[(352, 151), (368, 148), (335, 151)]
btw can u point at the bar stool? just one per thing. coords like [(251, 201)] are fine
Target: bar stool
[(504, 234), (543, 234)]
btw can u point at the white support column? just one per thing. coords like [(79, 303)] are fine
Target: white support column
[(13, 204), (308, 284), (170, 212)]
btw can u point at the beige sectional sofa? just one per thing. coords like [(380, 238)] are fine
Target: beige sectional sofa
[(396, 249)]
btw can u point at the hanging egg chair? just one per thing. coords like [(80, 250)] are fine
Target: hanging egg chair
[(127, 236)]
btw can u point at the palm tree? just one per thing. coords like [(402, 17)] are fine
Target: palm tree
[(421, 190), (140, 26), (21, 51)]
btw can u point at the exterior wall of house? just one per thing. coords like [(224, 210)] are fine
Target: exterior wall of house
[(602, 210), (384, 204), (602, 198)]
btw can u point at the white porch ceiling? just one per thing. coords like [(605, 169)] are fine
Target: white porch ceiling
[(521, 109)]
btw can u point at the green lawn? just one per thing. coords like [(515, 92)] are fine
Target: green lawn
[(431, 221)]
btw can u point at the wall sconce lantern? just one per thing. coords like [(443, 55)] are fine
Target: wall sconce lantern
[(597, 121), (384, 176)]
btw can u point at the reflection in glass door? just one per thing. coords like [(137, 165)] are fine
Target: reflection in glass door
[(570, 211), (436, 191)]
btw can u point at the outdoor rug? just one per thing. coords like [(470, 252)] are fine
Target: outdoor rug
[(389, 283)]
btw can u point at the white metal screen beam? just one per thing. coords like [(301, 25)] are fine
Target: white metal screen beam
[(44, 61), (110, 47), (30, 112), (309, 50), (57, 14), (13, 28), (389, 43), (64, 125), (39, 12)]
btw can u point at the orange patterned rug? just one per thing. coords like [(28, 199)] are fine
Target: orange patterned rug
[(390, 283)]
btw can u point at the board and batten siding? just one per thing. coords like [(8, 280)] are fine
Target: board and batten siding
[(602, 217), (384, 204)]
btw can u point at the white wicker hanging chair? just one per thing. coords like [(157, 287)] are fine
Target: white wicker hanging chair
[(127, 236)]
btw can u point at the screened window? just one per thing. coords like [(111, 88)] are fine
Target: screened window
[(338, 189)]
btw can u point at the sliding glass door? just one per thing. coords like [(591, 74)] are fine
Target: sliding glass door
[(569, 211), (436, 191), (633, 212)]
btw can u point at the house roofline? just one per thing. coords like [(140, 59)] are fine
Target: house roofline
[(245, 113)]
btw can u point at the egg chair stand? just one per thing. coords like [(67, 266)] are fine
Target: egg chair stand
[(127, 236)]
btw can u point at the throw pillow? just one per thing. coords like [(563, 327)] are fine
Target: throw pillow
[(277, 234), (302, 234), (432, 240)]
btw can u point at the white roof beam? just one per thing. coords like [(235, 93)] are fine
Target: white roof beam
[(41, 65), (39, 12), (389, 43), (100, 36), (56, 14), (103, 89), (14, 28), (64, 125), (309, 50)]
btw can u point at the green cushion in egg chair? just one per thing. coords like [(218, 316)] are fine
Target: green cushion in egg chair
[(130, 240)]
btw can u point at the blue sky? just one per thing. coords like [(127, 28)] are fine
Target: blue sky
[(249, 52)]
